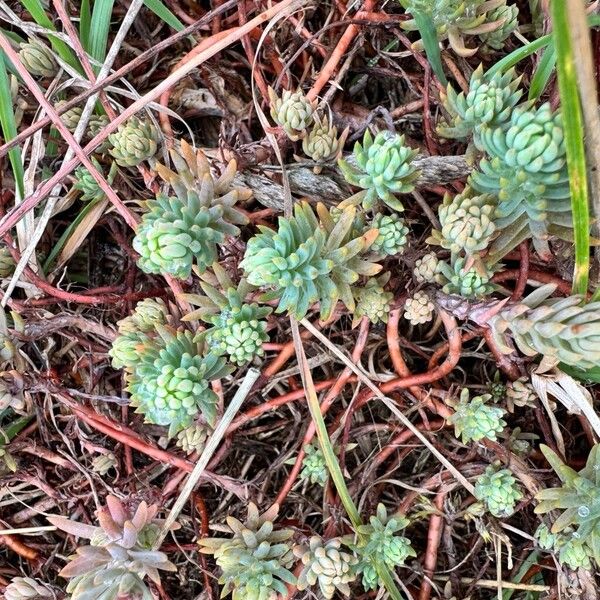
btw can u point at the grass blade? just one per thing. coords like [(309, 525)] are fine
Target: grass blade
[(36, 10), (542, 74), (162, 12), (85, 19), (428, 33), (9, 127), (574, 133), (99, 28), (331, 461)]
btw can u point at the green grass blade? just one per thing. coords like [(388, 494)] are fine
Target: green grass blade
[(516, 56), (36, 10), (85, 20), (163, 12), (574, 133), (331, 460), (542, 74), (431, 44), (100, 25), (9, 127)]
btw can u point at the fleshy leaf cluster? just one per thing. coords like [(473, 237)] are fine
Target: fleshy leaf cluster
[(119, 557), (309, 259), (183, 230)]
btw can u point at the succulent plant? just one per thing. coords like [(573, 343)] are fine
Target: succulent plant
[(309, 260), (383, 167), (381, 544), (70, 118), (133, 142), (489, 101), (475, 420), (178, 231), (467, 222), (545, 539), (508, 16), (526, 168), (520, 393), (193, 438), (136, 330), (169, 384), (426, 269), (467, 278), (7, 262), (578, 497), (457, 19), (103, 463), (497, 388), (26, 588), (38, 59), (573, 552), (372, 301), (256, 561), (293, 112), (562, 329), (392, 237), (96, 125), (326, 564), (322, 143), (89, 187), (239, 329), (119, 556), (314, 468), (418, 309), (499, 491)]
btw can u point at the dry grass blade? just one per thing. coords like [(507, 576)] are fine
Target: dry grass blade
[(215, 439)]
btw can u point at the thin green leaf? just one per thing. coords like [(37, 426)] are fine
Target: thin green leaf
[(516, 56), (431, 44), (85, 20), (36, 10), (574, 133), (542, 74), (99, 28), (16, 426), (162, 12), (589, 375), (9, 127), (331, 460)]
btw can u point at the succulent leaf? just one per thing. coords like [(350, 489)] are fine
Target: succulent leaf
[(561, 329), (293, 112), (489, 101), (256, 561), (475, 420), (170, 384), (526, 168), (38, 59), (382, 167), (326, 564), (499, 491), (182, 230), (119, 557), (308, 260), (392, 237), (381, 544), (314, 468), (467, 222), (134, 142), (418, 309)]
